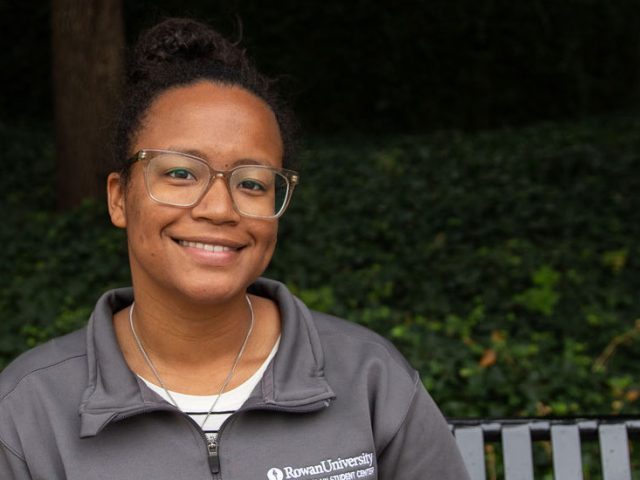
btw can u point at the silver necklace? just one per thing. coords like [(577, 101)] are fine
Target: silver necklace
[(226, 380)]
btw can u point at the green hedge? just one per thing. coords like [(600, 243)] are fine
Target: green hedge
[(505, 265)]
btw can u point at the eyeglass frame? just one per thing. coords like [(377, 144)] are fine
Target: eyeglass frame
[(148, 154)]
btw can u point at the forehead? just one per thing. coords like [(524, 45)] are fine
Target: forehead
[(224, 122)]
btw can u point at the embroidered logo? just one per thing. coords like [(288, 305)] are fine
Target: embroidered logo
[(351, 468), (275, 474)]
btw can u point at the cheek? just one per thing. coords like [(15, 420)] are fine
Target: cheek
[(140, 220), (272, 235), (266, 235), (136, 230)]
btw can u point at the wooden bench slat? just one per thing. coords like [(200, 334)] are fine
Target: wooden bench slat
[(518, 457), (567, 456), (614, 452), (471, 444)]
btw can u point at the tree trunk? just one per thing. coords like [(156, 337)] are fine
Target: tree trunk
[(88, 46)]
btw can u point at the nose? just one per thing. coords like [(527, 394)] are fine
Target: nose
[(216, 205)]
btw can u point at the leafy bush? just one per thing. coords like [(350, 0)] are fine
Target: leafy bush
[(54, 265), (504, 265)]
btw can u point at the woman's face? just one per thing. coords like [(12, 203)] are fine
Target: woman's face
[(170, 248)]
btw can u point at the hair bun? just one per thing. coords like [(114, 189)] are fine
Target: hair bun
[(180, 40), (179, 52)]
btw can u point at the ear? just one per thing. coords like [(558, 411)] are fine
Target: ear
[(116, 200)]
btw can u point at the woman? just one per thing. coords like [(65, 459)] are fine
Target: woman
[(212, 372)]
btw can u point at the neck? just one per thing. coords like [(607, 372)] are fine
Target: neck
[(194, 345), (185, 335)]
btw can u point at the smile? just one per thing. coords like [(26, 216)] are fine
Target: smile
[(206, 246)]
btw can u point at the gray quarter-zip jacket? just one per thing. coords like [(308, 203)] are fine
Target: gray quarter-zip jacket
[(337, 402)]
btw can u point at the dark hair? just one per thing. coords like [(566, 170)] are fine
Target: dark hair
[(181, 51)]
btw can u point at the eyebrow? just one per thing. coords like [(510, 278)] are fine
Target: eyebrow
[(203, 156)]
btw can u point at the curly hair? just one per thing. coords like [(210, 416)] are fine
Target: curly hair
[(178, 52)]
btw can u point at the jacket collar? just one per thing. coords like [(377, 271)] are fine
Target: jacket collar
[(294, 381)]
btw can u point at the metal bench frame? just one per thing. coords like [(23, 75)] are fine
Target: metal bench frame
[(565, 434)]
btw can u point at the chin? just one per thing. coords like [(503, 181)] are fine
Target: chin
[(213, 292)]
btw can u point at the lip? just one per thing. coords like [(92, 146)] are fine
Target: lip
[(210, 251)]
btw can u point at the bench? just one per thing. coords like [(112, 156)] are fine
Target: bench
[(565, 434)]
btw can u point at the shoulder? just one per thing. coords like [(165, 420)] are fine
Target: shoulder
[(42, 360), (338, 333), (357, 359), (341, 340)]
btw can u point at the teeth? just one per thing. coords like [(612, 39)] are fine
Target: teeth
[(205, 246)]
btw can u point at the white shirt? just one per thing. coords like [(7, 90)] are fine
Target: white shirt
[(197, 406)]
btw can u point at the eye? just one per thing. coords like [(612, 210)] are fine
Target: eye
[(252, 185), (181, 174)]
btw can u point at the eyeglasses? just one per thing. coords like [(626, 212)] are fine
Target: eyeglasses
[(181, 180)]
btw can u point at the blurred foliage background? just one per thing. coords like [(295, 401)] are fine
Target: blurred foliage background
[(469, 189), (374, 67)]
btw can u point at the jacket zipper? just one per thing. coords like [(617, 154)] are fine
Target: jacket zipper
[(214, 459), (213, 445)]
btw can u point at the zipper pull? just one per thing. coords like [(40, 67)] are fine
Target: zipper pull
[(214, 461)]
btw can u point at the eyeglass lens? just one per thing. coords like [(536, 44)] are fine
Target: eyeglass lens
[(179, 180)]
